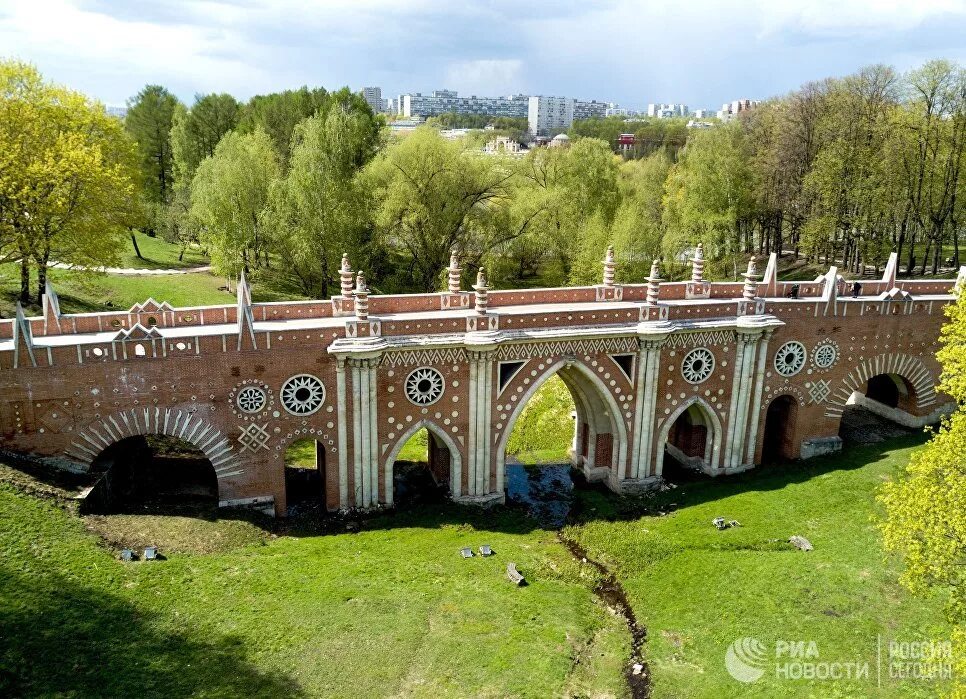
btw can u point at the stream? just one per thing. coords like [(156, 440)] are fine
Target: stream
[(547, 493)]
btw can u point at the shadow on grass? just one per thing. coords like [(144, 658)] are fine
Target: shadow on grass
[(58, 638)]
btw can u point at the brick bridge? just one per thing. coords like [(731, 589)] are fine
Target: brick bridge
[(721, 376)]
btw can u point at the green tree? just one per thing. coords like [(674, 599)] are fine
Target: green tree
[(320, 209), (925, 516), (437, 196), (149, 119), (196, 132), (67, 176), (229, 194)]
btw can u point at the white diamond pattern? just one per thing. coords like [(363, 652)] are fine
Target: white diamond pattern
[(820, 390), (253, 437)]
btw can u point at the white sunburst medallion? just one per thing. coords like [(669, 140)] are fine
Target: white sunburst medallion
[(424, 386), (698, 365), (825, 354), (790, 358), (303, 394)]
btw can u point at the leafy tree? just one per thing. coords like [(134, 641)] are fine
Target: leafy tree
[(67, 176), (196, 132), (436, 196), (278, 113), (925, 516), (321, 208), (229, 194), (149, 119)]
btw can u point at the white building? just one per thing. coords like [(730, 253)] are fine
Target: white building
[(729, 110), (667, 111), (448, 101), (373, 97), (547, 115)]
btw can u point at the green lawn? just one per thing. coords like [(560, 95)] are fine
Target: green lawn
[(697, 590), (256, 608), (544, 431), (158, 254)]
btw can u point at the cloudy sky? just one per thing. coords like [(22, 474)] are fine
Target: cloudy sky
[(701, 52)]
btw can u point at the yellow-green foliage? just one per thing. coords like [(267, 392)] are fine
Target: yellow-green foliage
[(545, 424), (926, 509)]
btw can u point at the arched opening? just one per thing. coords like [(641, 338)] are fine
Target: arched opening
[(567, 415), (422, 468), (154, 473), (887, 408), (689, 441), (304, 476), (778, 440)]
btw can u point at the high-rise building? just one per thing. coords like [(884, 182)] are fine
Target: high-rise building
[(373, 97), (548, 115), (584, 109), (667, 111), (729, 110)]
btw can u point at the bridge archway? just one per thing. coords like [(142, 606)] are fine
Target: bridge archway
[(152, 470), (897, 386), (778, 435), (600, 435), (444, 460), (692, 435), (306, 477)]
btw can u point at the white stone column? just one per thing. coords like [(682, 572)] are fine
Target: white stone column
[(372, 430), (479, 448), (649, 364), (742, 378), (359, 494), (756, 397), (471, 408), (342, 417)]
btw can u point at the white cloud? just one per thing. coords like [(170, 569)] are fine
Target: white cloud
[(485, 76), (838, 17)]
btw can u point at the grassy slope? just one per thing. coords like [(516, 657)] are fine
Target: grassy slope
[(697, 589), (544, 430), (391, 611), (84, 291)]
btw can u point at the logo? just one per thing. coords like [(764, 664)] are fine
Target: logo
[(745, 659)]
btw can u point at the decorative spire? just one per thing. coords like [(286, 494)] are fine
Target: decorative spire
[(246, 319), (609, 266), (362, 297), (481, 290), (654, 284), (23, 340), (454, 272), (697, 265), (750, 290), (345, 276), (51, 310)]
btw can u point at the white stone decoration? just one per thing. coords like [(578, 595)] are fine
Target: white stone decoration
[(820, 390), (698, 365), (253, 437), (790, 358), (424, 386), (251, 399), (825, 354), (303, 394)]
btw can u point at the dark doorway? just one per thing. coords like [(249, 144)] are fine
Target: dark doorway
[(304, 476), (778, 442), (421, 472), (883, 389), (153, 472)]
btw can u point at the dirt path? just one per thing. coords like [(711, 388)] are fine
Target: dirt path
[(133, 271)]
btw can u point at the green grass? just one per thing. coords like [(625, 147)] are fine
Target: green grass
[(390, 611), (301, 454), (85, 292), (416, 448), (697, 590), (158, 254)]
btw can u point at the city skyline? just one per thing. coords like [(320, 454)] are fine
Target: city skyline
[(632, 53)]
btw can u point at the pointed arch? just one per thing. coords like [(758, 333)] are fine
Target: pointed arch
[(911, 369), (713, 445), (584, 386), (456, 459), (182, 424)]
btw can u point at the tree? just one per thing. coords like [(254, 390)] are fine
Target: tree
[(278, 113), (196, 132), (437, 196), (320, 208), (925, 516), (67, 176), (149, 119), (229, 194)]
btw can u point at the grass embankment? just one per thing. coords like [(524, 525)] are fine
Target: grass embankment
[(697, 590), (84, 291), (389, 611)]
